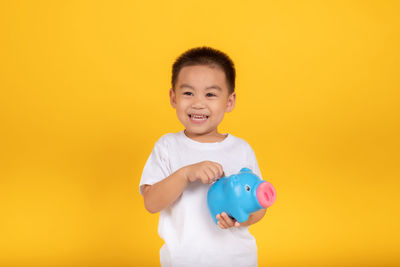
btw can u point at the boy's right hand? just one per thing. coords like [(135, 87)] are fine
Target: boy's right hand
[(206, 171)]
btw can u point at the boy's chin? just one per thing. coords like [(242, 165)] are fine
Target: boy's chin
[(198, 132), (194, 132)]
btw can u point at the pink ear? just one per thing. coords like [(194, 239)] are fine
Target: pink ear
[(266, 194)]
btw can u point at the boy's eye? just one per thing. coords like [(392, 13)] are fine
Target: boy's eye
[(188, 93), (210, 95)]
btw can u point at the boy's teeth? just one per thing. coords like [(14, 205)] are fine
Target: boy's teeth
[(198, 117)]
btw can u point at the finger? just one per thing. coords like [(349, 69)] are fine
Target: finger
[(223, 223), (220, 171), (211, 168), (219, 221), (204, 178), (213, 171), (217, 169), (210, 174), (237, 224), (228, 221), (214, 176)]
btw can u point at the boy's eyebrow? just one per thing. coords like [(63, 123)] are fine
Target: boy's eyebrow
[(186, 85), (209, 87), (214, 87)]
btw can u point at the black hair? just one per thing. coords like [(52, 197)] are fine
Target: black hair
[(205, 56)]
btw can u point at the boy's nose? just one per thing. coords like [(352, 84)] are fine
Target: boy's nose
[(198, 103)]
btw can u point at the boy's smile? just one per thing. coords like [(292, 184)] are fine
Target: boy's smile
[(198, 118), (201, 98)]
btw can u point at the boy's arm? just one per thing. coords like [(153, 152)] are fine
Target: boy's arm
[(160, 195)]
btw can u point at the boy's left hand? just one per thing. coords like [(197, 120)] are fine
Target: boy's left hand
[(225, 222)]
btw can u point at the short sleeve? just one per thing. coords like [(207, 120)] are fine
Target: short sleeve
[(156, 167), (252, 162)]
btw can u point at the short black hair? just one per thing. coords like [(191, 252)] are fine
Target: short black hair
[(205, 56)]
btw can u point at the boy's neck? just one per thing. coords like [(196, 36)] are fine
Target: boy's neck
[(206, 138)]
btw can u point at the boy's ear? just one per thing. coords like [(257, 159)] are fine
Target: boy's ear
[(172, 97), (231, 102)]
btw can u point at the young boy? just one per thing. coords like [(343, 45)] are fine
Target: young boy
[(182, 165)]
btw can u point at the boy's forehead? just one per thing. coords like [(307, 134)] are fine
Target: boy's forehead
[(207, 77)]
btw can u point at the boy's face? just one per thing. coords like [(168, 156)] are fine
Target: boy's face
[(201, 98)]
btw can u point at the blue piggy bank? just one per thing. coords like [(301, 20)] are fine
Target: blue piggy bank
[(239, 195)]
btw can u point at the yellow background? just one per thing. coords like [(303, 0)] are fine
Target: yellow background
[(84, 96)]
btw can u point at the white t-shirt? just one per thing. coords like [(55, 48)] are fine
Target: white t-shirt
[(192, 239)]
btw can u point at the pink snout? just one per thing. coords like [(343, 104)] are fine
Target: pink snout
[(266, 194)]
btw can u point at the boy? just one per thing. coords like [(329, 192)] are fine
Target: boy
[(182, 165)]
